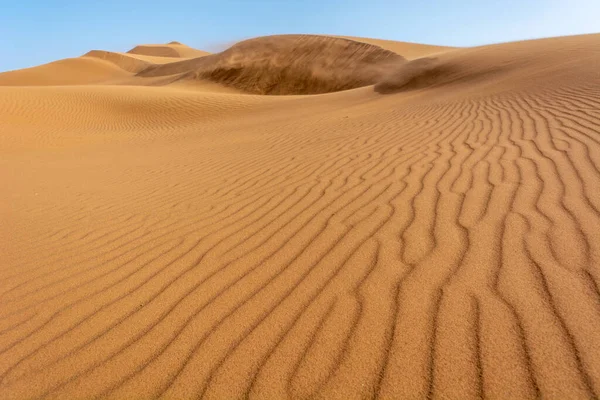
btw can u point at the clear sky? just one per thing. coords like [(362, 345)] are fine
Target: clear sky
[(33, 32)]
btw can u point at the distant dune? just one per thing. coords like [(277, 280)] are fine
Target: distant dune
[(70, 71), (185, 225), (172, 49)]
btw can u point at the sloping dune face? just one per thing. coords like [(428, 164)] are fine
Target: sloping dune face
[(518, 64), (70, 71), (171, 49), (101, 67), (155, 50), (124, 61), (410, 51), (289, 64), (440, 240)]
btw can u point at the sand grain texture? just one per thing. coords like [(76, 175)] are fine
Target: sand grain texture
[(432, 233)]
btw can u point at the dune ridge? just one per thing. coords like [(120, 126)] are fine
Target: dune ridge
[(288, 64), (124, 61), (408, 50), (70, 71), (433, 234), (172, 49)]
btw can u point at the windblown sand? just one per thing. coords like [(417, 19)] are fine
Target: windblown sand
[(433, 232)]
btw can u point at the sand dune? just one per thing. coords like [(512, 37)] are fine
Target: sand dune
[(172, 49), (288, 64), (87, 69), (410, 51), (433, 233), (70, 71), (133, 63)]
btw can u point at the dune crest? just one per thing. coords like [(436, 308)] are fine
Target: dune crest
[(288, 64), (431, 233), (70, 71), (155, 51), (408, 50), (125, 61), (171, 49)]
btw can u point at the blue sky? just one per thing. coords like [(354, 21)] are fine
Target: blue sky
[(33, 32)]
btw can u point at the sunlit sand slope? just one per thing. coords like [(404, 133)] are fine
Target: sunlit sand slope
[(100, 66), (408, 50), (172, 49), (70, 71), (441, 240)]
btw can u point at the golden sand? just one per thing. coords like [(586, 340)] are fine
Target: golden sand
[(434, 232)]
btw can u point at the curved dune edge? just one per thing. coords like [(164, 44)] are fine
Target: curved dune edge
[(408, 50), (70, 71), (84, 70), (155, 50), (438, 241), (133, 63), (171, 49), (501, 66), (124, 61), (288, 64), (282, 64)]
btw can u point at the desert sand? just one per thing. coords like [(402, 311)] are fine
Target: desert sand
[(303, 217)]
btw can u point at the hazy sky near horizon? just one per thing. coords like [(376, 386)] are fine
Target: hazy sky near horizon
[(34, 32)]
